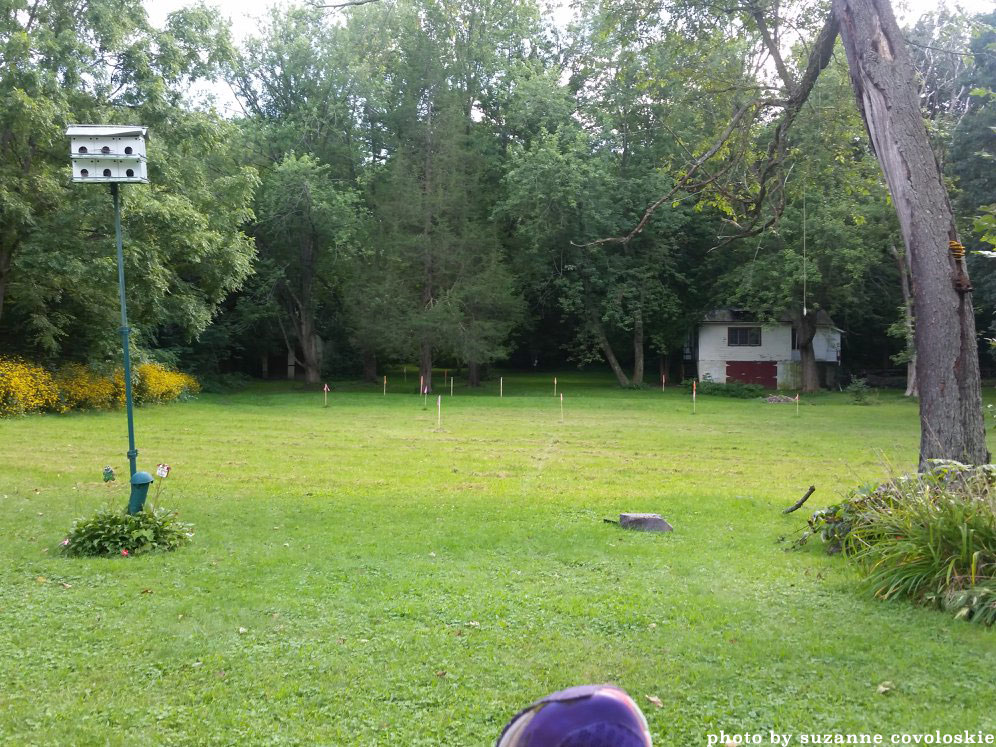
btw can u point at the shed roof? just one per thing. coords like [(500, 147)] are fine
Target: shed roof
[(105, 130), (726, 316)]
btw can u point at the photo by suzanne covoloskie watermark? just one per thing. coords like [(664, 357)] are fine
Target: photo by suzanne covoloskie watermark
[(723, 739)]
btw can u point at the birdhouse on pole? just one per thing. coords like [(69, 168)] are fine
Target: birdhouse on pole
[(108, 153)]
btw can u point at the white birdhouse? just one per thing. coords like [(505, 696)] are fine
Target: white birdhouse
[(108, 153)]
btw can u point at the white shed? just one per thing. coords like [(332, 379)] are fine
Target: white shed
[(732, 345)]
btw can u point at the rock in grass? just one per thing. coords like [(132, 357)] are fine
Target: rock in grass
[(644, 522)]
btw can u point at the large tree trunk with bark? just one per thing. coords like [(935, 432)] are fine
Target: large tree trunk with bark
[(947, 367), (370, 366), (425, 366), (902, 263), (638, 349), (6, 260), (473, 374), (805, 332), (609, 354), (311, 351)]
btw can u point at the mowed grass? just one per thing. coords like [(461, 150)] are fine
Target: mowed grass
[(360, 577)]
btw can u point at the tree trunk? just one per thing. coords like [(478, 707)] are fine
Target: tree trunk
[(902, 262), (425, 366), (947, 367), (473, 374), (638, 349), (805, 332), (6, 257), (369, 367), (311, 351), (610, 356)]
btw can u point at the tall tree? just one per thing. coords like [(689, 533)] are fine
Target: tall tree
[(951, 418), (100, 61), (307, 227)]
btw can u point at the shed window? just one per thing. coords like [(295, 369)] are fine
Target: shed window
[(742, 336)]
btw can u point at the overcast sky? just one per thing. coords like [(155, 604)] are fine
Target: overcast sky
[(243, 13)]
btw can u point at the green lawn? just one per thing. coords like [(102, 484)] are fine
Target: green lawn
[(402, 585)]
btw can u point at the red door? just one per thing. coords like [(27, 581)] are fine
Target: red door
[(764, 373)]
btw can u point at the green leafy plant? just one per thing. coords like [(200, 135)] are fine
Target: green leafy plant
[(861, 393), (113, 533), (930, 538)]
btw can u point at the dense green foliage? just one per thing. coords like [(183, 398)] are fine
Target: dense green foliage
[(64, 63), (424, 180), (110, 533), (400, 585)]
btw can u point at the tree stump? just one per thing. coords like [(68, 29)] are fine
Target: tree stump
[(644, 522)]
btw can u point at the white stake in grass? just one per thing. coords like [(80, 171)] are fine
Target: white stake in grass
[(451, 386), (797, 405), (694, 382), (561, 407), (501, 386), (421, 384), (425, 398), (663, 381), (326, 390), (439, 411), (554, 386)]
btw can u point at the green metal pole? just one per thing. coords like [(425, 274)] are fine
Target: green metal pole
[(125, 332)]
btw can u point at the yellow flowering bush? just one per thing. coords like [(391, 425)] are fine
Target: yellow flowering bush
[(159, 384), (25, 387), (81, 388)]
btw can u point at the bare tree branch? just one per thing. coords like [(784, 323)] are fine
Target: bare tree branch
[(346, 4)]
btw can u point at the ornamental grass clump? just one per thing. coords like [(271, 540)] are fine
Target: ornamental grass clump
[(118, 534), (929, 538)]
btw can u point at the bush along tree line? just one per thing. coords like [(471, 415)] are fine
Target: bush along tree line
[(27, 388), (433, 182)]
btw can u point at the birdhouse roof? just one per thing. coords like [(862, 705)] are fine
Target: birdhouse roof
[(106, 130)]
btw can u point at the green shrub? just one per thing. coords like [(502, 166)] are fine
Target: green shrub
[(111, 533), (732, 388), (861, 393), (930, 538)]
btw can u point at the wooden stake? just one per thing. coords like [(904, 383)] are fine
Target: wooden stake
[(554, 386), (451, 386), (385, 386), (663, 381), (439, 411), (694, 388), (421, 384), (501, 386)]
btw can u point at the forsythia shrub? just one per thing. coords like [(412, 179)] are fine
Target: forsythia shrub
[(159, 384), (25, 388), (81, 388)]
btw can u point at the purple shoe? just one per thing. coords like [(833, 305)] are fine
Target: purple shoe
[(582, 716)]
